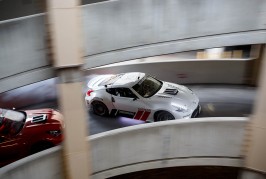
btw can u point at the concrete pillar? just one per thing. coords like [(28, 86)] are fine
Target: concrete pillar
[(257, 53), (256, 146), (65, 29)]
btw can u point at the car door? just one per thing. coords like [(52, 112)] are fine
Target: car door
[(11, 148), (129, 104)]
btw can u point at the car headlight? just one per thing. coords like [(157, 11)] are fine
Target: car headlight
[(179, 107), (54, 133)]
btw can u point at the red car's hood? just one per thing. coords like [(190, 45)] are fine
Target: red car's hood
[(51, 115), (39, 111)]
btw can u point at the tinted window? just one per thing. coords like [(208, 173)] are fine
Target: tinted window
[(11, 122), (122, 92), (148, 86), (125, 92), (111, 91)]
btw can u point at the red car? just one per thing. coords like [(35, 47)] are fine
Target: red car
[(26, 132)]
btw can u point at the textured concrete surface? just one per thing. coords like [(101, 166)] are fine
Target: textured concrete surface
[(122, 24), (121, 30), (203, 142), (213, 71), (43, 165)]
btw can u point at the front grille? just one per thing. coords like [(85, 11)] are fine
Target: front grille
[(39, 118), (195, 112), (171, 91)]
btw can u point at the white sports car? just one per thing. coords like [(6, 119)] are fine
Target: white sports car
[(141, 97)]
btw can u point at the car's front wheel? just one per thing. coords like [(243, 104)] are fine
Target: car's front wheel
[(99, 108), (163, 116)]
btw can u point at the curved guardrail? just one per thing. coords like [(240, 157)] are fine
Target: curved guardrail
[(201, 141)]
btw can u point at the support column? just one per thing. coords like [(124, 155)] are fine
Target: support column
[(256, 138), (65, 29), (254, 66)]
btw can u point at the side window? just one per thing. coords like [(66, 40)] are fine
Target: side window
[(111, 91), (125, 92)]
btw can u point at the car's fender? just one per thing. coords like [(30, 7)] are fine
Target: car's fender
[(174, 113)]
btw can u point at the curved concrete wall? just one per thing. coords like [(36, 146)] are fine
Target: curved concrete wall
[(188, 71), (126, 29), (121, 30), (22, 43), (23, 52), (231, 39), (43, 165), (202, 141)]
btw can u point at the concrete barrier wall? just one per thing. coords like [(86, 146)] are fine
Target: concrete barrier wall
[(184, 72), (23, 45), (43, 165), (23, 51), (113, 25), (126, 29), (202, 141), (121, 30)]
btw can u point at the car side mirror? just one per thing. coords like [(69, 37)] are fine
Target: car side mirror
[(134, 99)]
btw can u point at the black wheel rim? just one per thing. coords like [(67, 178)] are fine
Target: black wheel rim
[(99, 109), (164, 116)]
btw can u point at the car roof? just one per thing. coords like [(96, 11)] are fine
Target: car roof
[(128, 79)]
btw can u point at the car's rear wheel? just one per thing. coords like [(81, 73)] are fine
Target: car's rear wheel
[(99, 108), (163, 116)]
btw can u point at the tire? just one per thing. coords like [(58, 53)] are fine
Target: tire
[(99, 108), (38, 147), (163, 116)]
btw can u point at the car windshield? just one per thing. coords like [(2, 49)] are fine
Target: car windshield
[(11, 122), (148, 86)]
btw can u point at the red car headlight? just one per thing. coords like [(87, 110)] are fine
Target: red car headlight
[(54, 133)]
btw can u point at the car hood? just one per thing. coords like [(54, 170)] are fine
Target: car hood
[(43, 116), (177, 94)]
